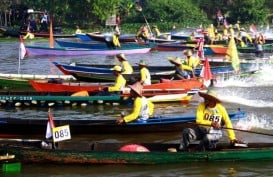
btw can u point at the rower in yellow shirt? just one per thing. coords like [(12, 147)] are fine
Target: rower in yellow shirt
[(125, 65), (211, 115), (142, 109), (145, 76), (120, 82)]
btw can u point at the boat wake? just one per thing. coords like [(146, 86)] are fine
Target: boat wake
[(247, 102), (254, 122), (262, 78)]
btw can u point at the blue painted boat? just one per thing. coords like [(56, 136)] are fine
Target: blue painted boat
[(70, 69), (105, 126), (83, 37)]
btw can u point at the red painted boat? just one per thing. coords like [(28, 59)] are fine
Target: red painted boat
[(171, 87)]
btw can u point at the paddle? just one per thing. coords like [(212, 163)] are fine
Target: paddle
[(247, 131)]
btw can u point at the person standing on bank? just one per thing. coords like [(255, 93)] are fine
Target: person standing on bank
[(145, 76), (142, 109), (125, 65), (210, 116)]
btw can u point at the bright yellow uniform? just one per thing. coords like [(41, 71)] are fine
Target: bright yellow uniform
[(138, 110), (127, 68), (116, 41), (119, 84), (205, 116), (145, 76)]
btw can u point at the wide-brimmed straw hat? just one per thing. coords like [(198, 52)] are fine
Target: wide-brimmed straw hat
[(116, 68), (136, 87), (142, 63), (121, 56), (176, 61), (211, 95), (188, 53)]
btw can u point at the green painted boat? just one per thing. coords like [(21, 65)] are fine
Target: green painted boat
[(143, 153), (15, 84), (54, 99)]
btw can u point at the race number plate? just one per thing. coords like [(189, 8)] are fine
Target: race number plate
[(61, 133)]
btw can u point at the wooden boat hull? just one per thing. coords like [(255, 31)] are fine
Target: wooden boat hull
[(17, 126), (208, 49), (125, 38), (108, 153), (168, 87), (38, 51), (97, 45)]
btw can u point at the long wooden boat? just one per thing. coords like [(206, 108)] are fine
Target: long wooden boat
[(267, 48), (32, 126), (61, 51), (217, 66), (125, 38), (21, 81), (208, 49), (167, 87), (144, 154), (72, 43)]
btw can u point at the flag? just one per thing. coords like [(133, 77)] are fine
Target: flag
[(232, 54), (50, 125), (22, 49), (200, 46), (252, 28), (206, 73)]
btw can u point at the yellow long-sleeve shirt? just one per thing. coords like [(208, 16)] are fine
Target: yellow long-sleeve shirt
[(127, 68), (137, 110), (119, 84), (205, 116), (145, 76)]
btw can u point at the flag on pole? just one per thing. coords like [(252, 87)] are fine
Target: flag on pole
[(252, 28), (22, 49), (50, 125), (206, 73), (232, 54)]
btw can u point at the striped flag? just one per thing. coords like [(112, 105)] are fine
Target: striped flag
[(232, 54), (50, 125), (206, 73)]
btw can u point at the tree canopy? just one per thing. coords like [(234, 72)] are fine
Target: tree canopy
[(89, 13)]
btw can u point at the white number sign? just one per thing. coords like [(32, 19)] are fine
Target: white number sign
[(61, 133)]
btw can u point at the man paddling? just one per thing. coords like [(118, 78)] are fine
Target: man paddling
[(125, 65), (210, 116), (142, 109)]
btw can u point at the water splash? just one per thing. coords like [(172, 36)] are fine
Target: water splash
[(247, 102), (262, 78), (254, 122)]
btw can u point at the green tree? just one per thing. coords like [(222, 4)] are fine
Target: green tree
[(248, 11), (105, 8)]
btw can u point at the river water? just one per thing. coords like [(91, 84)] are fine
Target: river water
[(253, 95)]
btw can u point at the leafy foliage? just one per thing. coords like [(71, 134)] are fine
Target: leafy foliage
[(164, 13)]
